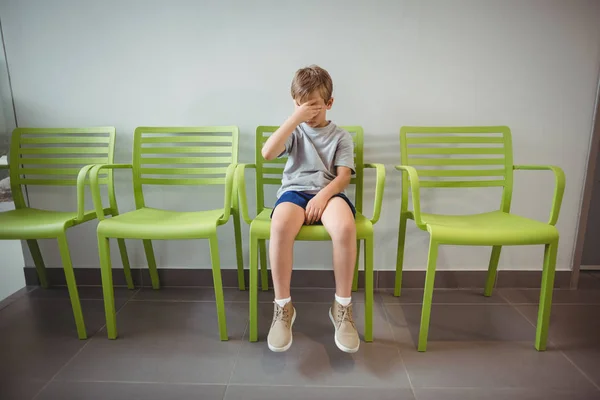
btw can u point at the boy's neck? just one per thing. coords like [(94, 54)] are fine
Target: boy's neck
[(323, 124)]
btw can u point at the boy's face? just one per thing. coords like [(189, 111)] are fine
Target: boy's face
[(320, 120)]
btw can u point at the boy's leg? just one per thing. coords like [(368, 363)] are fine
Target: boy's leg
[(286, 222), (339, 222)]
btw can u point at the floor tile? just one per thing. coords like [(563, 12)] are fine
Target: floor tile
[(129, 391), (504, 394), (481, 354), (85, 293), (170, 342), (16, 296), (492, 365), (575, 331), (570, 325), (559, 296), (235, 295), (589, 280), (314, 358), (442, 296), (300, 393), (20, 389), (463, 323), (38, 336), (189, 294)]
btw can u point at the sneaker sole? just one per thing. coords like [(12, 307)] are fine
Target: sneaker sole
[(337, 343), (287, 346)]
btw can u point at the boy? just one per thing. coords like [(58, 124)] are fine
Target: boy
[(319, 168)]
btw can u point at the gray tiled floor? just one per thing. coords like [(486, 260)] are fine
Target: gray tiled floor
[(168, 348)]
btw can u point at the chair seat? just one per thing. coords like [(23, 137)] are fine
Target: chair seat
[(152, 223), (261, 227), (32, 223), (488, 229)]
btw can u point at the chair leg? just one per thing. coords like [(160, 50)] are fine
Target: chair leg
[(368, 289), (264, 273), (541, 335), (151, 264), (237, 228), (428, 295), (400, 255), (355, 280), (125, 261), (253, 334), (216, 269), (107, 287), (40, 268), (72, 286), (492, 271)]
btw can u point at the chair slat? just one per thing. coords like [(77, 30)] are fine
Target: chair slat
[(182, 181), (454, 139), (185, 150), (183, 171), (38, 139), (431, 161), (460, 172), (455, 150), (461, 184), (187, 139), (185, 160)]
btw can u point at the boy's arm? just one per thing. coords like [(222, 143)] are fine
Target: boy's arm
[(275, 145), (316, 206)]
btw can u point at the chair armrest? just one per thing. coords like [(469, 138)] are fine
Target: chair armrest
[(96, 187), (559, 188), (379, 186), (4, 166), (241, 189), (82, 179), (229, 192), (415, 190)]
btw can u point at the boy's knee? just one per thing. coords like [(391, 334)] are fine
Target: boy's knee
[(278, 228), (344, 230), (283, 224)]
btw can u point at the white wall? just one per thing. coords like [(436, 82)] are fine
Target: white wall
[(11, 254), (532, 65)]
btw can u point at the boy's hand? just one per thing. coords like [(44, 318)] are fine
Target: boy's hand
[(306, 111), (315, 208)]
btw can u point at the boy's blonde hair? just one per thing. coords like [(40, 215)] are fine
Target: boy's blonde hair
[(309, 79)]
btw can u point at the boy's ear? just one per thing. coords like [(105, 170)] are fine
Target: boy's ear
[(329, 103)]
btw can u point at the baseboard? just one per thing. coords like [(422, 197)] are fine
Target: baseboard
[(590, 268), (307, 278)]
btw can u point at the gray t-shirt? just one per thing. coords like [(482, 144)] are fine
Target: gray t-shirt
[(313, 155)]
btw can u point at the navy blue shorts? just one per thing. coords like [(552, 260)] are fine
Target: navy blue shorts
[(301, 199)]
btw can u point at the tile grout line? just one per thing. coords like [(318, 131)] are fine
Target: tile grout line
[(237, 358), (88, 341), (387, 320), (551, 342)]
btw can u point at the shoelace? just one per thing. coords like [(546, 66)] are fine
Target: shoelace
[(345, 314), (281, 314)]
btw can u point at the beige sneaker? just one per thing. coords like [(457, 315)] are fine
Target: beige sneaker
[(346, 336), (280, 334)]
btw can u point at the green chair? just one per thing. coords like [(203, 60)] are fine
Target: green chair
[(57, 157), (472, 157), (183, 156), (269, 173)]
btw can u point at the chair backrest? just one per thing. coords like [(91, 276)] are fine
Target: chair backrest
[(182, 156), (459, 157), (54, 156), (270, 172)]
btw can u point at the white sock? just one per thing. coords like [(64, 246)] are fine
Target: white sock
[(344, 301), (283, 302)]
